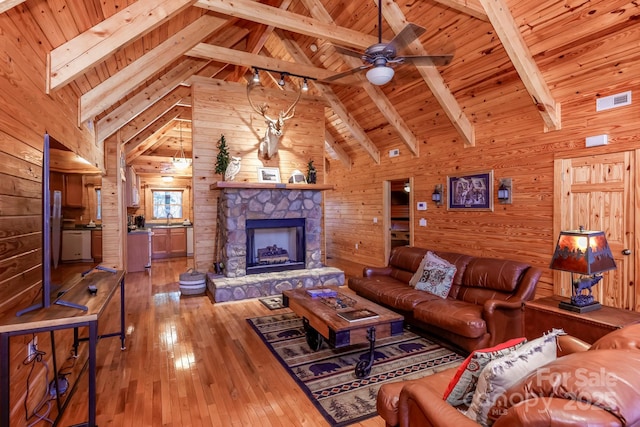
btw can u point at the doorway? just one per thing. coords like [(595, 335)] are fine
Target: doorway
[(598, 193), (398, 214)]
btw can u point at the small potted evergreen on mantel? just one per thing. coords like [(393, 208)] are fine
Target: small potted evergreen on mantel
[(222, 159), (311, 173)]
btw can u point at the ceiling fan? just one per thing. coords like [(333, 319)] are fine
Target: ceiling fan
[(379, 56)]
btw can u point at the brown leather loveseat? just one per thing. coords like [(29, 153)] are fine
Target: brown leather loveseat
[(587, 385), (484, 304)]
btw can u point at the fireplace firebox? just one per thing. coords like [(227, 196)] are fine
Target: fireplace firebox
[(275, 245)]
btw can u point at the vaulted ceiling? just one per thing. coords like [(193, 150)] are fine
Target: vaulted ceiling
[(130, 63)]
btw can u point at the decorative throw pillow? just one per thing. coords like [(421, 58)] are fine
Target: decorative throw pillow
[(504, 372), (463, 384), (418, 273), (436, 279)]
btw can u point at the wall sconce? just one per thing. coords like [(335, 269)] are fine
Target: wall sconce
[(436, 196), (167, 179), (505, 191)]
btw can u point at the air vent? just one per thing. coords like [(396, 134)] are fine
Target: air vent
[(613, 101)]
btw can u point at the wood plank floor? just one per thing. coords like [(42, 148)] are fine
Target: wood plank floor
[(189, 362)]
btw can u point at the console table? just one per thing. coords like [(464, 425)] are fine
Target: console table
[(542, 315), (57, 317)]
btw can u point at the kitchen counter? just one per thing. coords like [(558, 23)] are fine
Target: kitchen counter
[(169, 226)]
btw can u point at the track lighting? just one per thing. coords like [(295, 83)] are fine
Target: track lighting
[(305, 79)]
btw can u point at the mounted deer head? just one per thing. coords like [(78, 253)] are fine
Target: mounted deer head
[(275, 127)]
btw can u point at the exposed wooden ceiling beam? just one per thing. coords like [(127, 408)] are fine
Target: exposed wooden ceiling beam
[(152, 135), (68, 61), (263, 14), (376, 94), (9, 4), (336, 105), (153, 93), (238, 57), (470, 7), (518, 51), (111, 90), (144, 120), (159, 165), (397, 21), (334, 149)]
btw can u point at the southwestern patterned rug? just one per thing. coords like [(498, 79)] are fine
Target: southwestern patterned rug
[(327, 376)]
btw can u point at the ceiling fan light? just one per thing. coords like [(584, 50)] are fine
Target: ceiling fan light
[(380, 75)]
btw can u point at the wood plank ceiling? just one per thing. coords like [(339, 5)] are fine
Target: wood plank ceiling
[(130, 62)]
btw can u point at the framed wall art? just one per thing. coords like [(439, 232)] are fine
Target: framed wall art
[(473, 192), (269, 175)]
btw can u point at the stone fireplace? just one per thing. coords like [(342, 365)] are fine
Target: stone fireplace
[(272, 219)]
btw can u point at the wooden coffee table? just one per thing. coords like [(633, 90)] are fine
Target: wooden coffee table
[(322, 322)]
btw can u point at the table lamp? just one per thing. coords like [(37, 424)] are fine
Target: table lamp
[(585, 253)]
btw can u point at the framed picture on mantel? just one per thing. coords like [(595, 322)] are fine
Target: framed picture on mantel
[(269, 175), (472, 192)]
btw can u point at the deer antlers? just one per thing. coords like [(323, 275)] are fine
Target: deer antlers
[(269, 143)]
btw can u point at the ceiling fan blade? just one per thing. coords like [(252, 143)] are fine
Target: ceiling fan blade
[(408, 34), (348, 52), (428, 59), (345, 74)]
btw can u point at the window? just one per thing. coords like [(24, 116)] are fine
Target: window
[(167, 203), (99, 204)]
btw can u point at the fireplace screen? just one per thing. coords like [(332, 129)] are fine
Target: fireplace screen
[(275, 245)]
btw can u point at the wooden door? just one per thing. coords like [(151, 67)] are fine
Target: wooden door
[(598, 193), (398, 219)]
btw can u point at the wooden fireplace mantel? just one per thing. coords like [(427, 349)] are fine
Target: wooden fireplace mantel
[(270, 186)]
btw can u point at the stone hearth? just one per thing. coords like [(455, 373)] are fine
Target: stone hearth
[(226, 289)]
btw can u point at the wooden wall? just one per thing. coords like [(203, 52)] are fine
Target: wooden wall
[(221, 108), (27, 113), (510, 140)]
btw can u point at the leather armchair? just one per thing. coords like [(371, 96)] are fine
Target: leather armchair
[(574, 390)]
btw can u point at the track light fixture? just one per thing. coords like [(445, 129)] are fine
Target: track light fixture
[(283, 74)]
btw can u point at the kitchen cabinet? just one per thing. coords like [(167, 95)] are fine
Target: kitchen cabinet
[(168, 242), (73, 192), (96, 245), (138, 256), (133, 188)]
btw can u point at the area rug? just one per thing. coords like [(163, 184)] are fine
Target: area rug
[(273, 302), (327, 376)]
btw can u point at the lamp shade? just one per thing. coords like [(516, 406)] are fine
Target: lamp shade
[(582, 252), (380, 75)]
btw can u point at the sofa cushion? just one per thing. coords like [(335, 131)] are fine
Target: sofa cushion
[(389, 393), (463, 384), (496, 274), (502, 373), (608, 379), (388, 291), (623, 338), (459, 317), (459, 260)]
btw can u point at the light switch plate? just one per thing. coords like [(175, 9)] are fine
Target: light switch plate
[(422, 206), (423, 222)]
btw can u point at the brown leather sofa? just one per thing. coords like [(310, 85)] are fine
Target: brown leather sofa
[(597, 385), (484, 306)]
